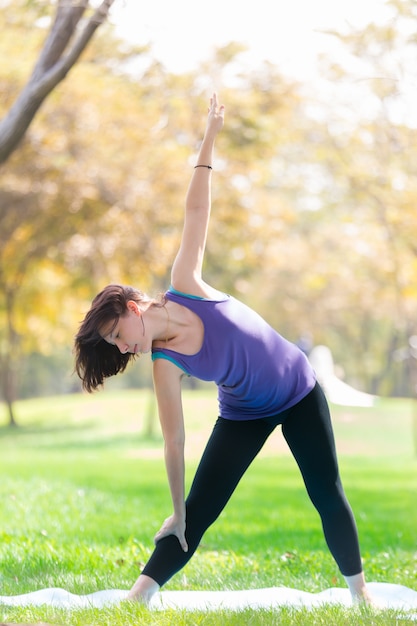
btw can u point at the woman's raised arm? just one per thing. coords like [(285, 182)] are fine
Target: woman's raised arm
[(186, 272)]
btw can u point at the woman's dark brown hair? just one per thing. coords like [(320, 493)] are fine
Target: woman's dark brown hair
[(95, 358)]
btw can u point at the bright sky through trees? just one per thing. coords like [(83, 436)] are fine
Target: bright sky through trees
[(183, 33)]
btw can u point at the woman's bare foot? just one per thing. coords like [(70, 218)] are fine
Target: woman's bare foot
[(359, 590), (143, 590)]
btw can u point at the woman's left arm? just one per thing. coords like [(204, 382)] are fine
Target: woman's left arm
[(186, 272)]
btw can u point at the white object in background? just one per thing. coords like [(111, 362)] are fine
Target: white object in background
[(337, 391)]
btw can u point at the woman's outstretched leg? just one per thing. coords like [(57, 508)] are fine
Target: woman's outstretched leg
[(309, 434)]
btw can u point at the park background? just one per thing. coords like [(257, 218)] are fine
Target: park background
[(314, 222), (314, 195)]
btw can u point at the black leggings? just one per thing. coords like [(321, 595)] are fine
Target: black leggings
[(230, 450)]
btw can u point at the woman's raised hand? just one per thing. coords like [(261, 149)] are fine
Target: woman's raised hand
[(215, 118)]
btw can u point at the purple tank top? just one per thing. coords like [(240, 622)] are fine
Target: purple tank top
[(258, 373)]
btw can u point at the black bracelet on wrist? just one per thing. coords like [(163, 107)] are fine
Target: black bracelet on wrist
[(208, 166)]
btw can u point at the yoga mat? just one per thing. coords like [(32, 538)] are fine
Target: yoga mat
[(385, 595)]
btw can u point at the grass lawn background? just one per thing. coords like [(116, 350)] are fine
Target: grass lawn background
[(83, 491)]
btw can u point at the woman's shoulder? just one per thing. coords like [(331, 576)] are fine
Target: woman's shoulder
[(198, 290)]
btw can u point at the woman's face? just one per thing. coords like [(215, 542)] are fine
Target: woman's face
[(128, 335)]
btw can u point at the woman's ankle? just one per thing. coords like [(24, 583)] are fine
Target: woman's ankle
[(358, 589), (143, 590)]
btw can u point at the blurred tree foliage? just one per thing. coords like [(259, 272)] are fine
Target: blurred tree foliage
[(367, 150), (345, 272), (313, 201)]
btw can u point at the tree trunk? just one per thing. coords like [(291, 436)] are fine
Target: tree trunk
[(51, 68), (8, 386), (150, 421), (12, 422)]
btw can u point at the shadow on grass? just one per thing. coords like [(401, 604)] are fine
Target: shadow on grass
[(14, 433), (66, 437)]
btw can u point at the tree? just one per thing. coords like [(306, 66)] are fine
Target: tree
[(67, 39)]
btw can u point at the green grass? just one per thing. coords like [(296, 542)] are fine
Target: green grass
[(82, 493)]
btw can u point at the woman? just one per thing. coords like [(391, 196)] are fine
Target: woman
[(262, 379)]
